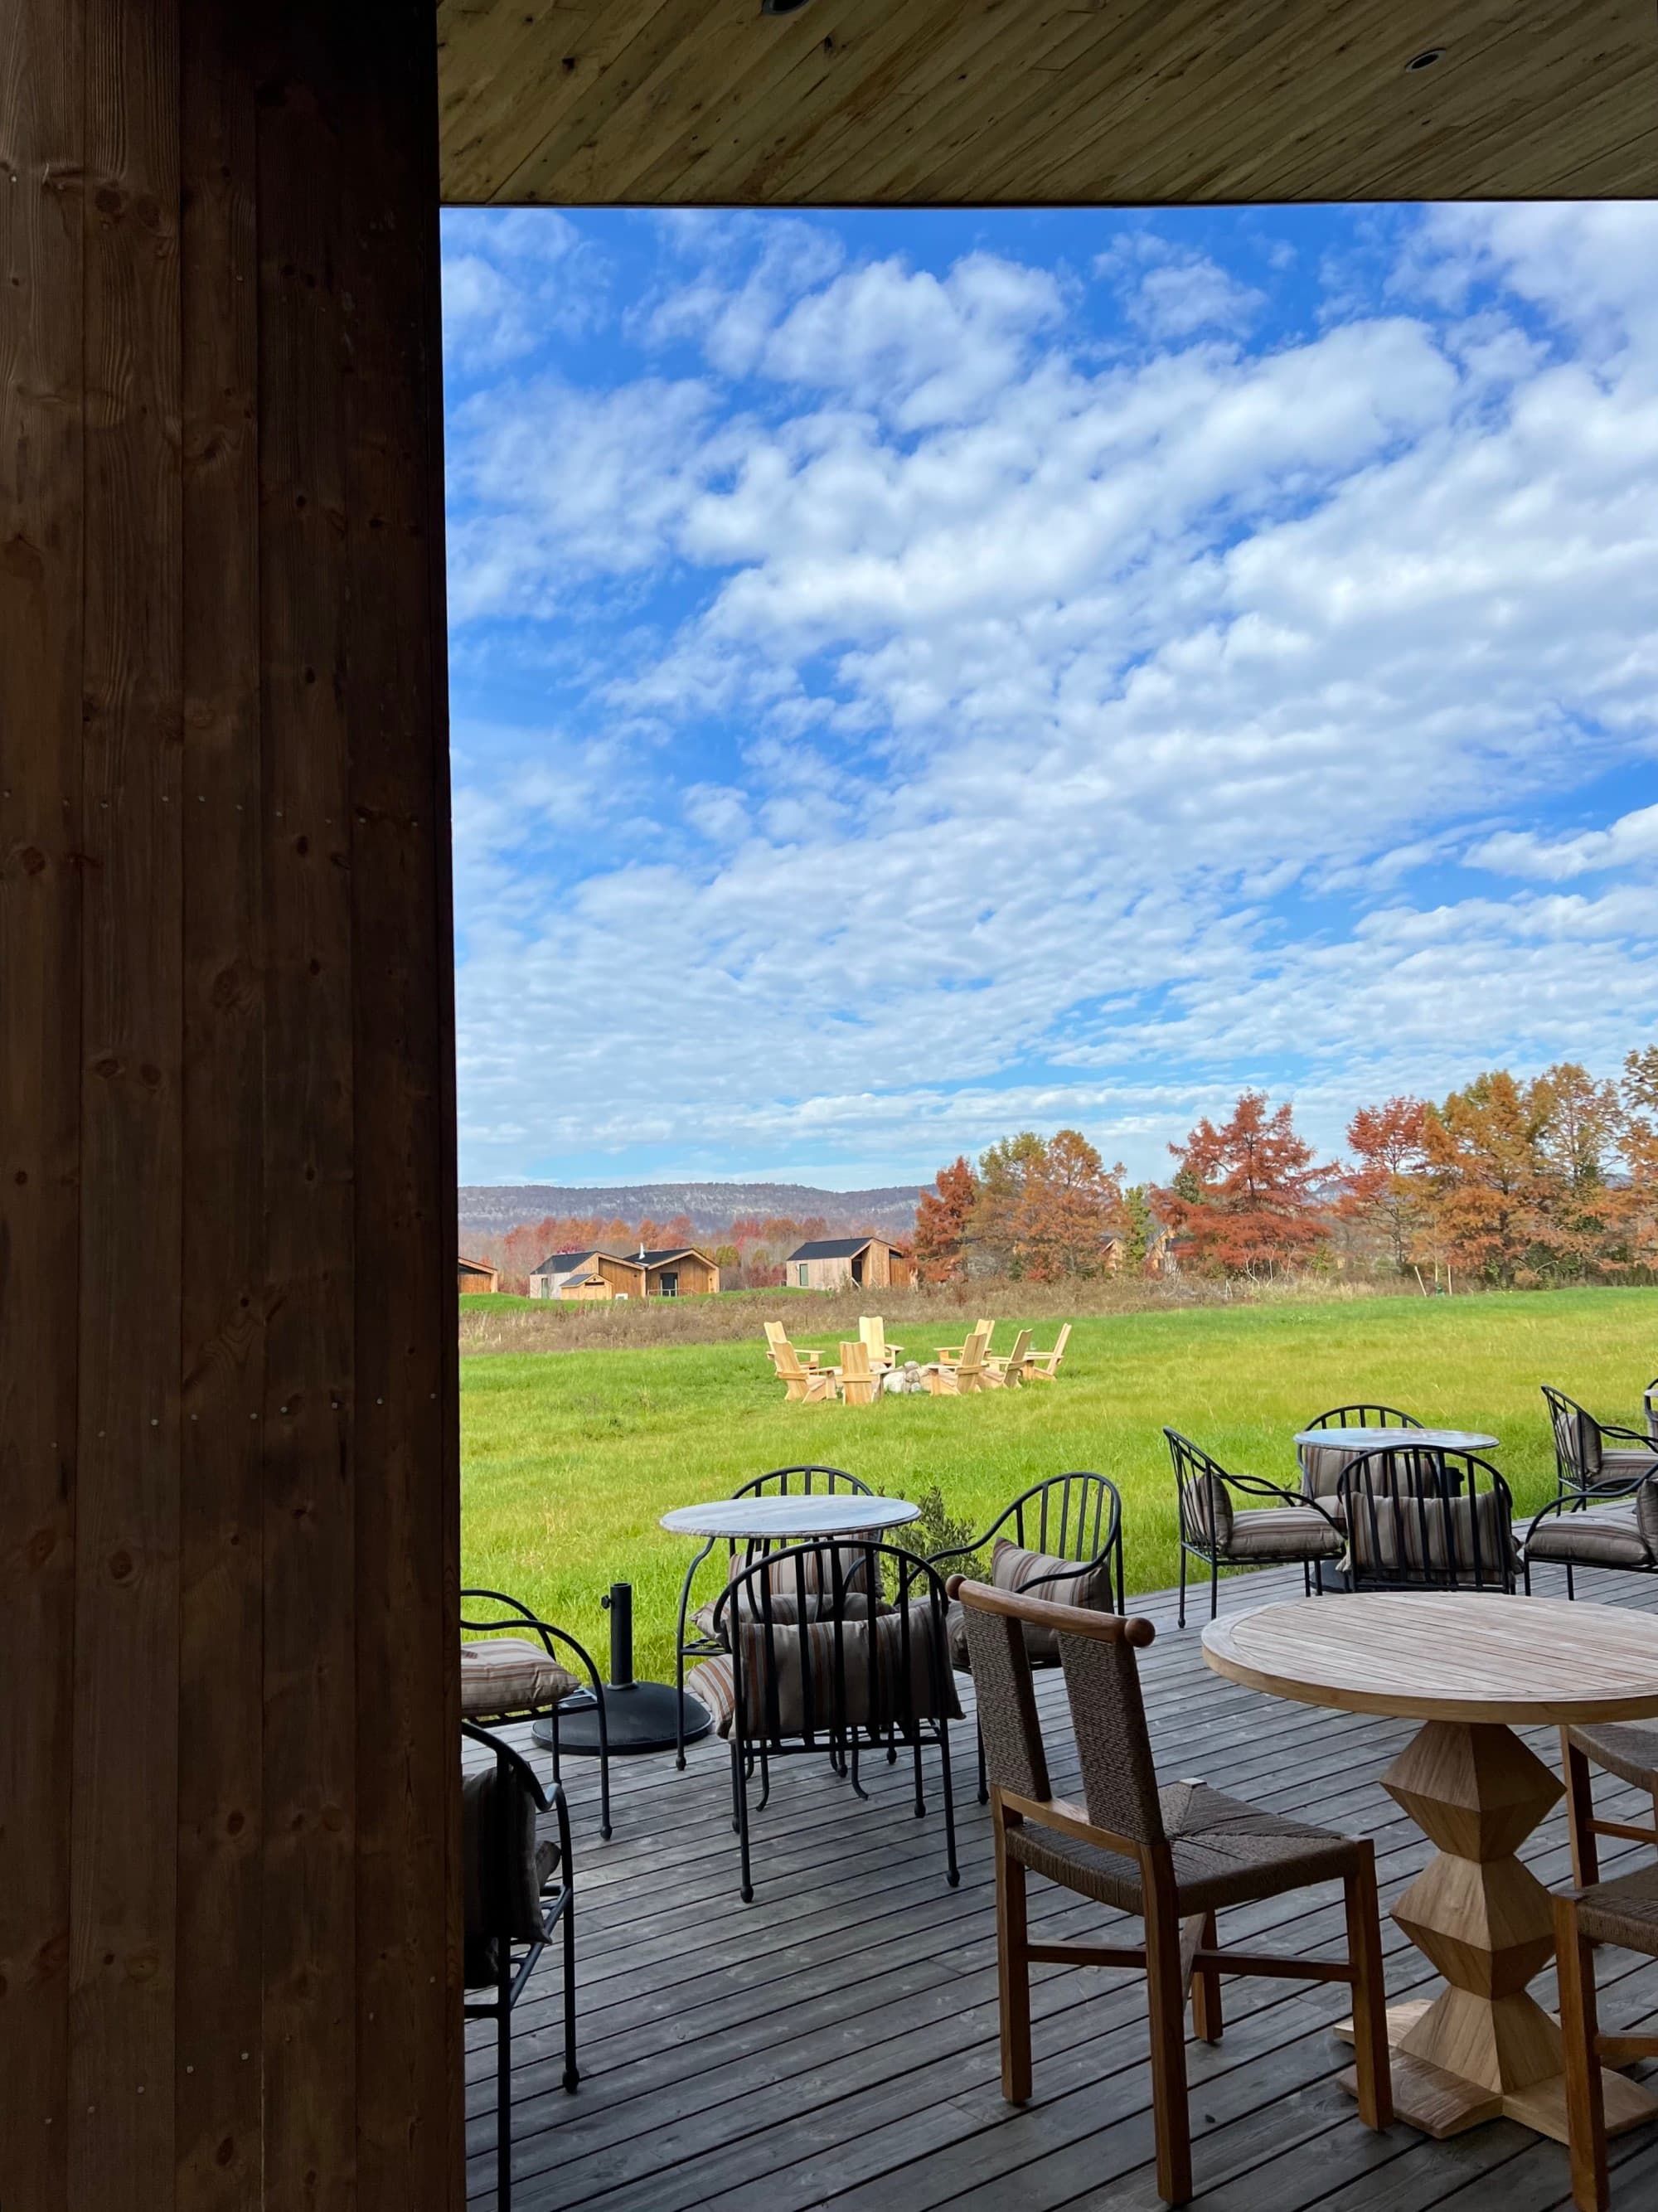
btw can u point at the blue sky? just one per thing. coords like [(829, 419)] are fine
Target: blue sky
[(917, 676)]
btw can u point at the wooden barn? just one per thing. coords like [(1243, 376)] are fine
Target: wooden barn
[(675, 1272), (839, 1263), (476, 1277)]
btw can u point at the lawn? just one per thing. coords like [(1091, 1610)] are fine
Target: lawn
[(568, 1458)]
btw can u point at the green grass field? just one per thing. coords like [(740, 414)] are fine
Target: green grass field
[(570, 1457)]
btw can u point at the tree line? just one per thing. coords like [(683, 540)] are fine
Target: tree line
[(1511, 1180)]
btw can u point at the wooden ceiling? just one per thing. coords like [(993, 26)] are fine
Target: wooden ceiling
[(973, 102)]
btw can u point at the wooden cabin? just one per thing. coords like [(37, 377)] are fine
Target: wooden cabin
[(839, 1263), (674, 1272), (230, 1853), (477, 1277)]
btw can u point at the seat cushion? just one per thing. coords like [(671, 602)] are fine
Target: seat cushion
[(1625, 1911), (1628, 1749), (505, 1866), (830, 1672), (784, 1611), (1282, 1532), (1045, 1575), (1225, 1852), (1599, 1536), (501, 1674), (1423, 1534)]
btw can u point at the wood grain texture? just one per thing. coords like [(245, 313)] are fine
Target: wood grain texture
[(122, 1870), (219, 2082), (1145, 103), (1441, 1656), (41, 461)]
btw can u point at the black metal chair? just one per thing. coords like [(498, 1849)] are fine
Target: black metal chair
[(1290, 1531), (508, 1678), (833, 1648), (518, 1889), (1605, 1524), (1583, 1460), (1065, 1546), (1427, 1520), (1321, 1464), (703, 1643)]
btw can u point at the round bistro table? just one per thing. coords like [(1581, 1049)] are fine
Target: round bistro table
[(1472, 1669), (797, 1519), (1324, 1452)]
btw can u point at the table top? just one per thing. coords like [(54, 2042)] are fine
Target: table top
[(1364, 1440), (1446, 1655), (817, 1513)]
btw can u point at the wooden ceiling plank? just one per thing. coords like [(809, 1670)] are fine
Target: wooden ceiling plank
[(733, 61), (1333, 132), (536, 93), (1193, 105), (1463, 118), (545, 173), (742, 141), (966, 53), (1110, 82)]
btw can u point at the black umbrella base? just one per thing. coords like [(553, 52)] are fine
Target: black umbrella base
[(641, 1718)]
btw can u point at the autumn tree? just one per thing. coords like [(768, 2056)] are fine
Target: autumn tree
[(1385, 1189), (1637, 1202), (1482, 1147), (1243, 1199), (1047, 1207), (942, 1217)]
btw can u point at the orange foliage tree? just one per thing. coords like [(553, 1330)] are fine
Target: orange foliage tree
[(1384, 1189), (1047, 1207), (1244, 1199), (942, 1219)]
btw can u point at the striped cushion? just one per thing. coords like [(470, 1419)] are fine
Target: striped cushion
[(812, 1571), (509, 1674), (848, 1689), (505, 1866), (1012, 1568), (784, 1611)]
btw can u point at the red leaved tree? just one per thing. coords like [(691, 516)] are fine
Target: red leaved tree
[(1243, 1199), (1386, 1187), (941, 1223)]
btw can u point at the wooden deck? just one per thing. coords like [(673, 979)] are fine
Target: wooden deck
[(836, 2042)]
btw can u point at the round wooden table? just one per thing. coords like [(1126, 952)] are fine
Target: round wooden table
[(796, 1519), (1472, 1669)]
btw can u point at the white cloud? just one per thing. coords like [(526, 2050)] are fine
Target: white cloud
[(1632, 839), (1051, 736), (1171, 292)]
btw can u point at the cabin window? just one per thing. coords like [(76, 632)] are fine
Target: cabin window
[(670, 1283)]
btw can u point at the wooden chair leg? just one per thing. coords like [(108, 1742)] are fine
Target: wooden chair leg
[(1586, 2116), (1372, 2064), (1205, 1988), (1166, 2004), (1580, 1813), (1012, 1968)]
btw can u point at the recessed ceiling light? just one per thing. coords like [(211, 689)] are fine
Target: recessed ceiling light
[(781, 7), (1425, 59)]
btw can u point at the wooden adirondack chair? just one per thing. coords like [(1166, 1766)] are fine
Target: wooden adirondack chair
[(802, 1385), (1046, 1363), (776, 1335), (857, 1376), (958, 1378), (953, 1353), (1008, 1374), (873, 1331)]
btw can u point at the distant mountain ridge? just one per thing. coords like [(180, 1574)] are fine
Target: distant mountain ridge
[(494, 1208)]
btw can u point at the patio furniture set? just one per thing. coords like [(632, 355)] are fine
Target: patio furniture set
[(827, 1638), (870, 1368)]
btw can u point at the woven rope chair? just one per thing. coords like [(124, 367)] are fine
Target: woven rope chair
[(1174, 1855), (1625, 1913)]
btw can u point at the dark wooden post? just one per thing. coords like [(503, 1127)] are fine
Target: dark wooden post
[(228, 1951)]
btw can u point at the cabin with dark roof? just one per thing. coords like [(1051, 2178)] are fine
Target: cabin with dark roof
[(673, 1272), (476, 1276), (839, 1263)]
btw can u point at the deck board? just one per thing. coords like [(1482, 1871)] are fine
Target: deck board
[(836, 2042)]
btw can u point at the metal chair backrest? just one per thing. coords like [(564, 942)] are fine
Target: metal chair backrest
[(817, 1652), (1427, 1520), (1577, 1441), (1365, 1417), (1103, 1687), (1068, 1516), (1649, 1401), (801, 1481), (1205, 1509)]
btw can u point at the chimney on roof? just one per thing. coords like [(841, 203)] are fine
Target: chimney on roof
[(642, 1247)]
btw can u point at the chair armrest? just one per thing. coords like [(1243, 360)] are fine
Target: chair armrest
[(1629, 1436), (1066, 1818)]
